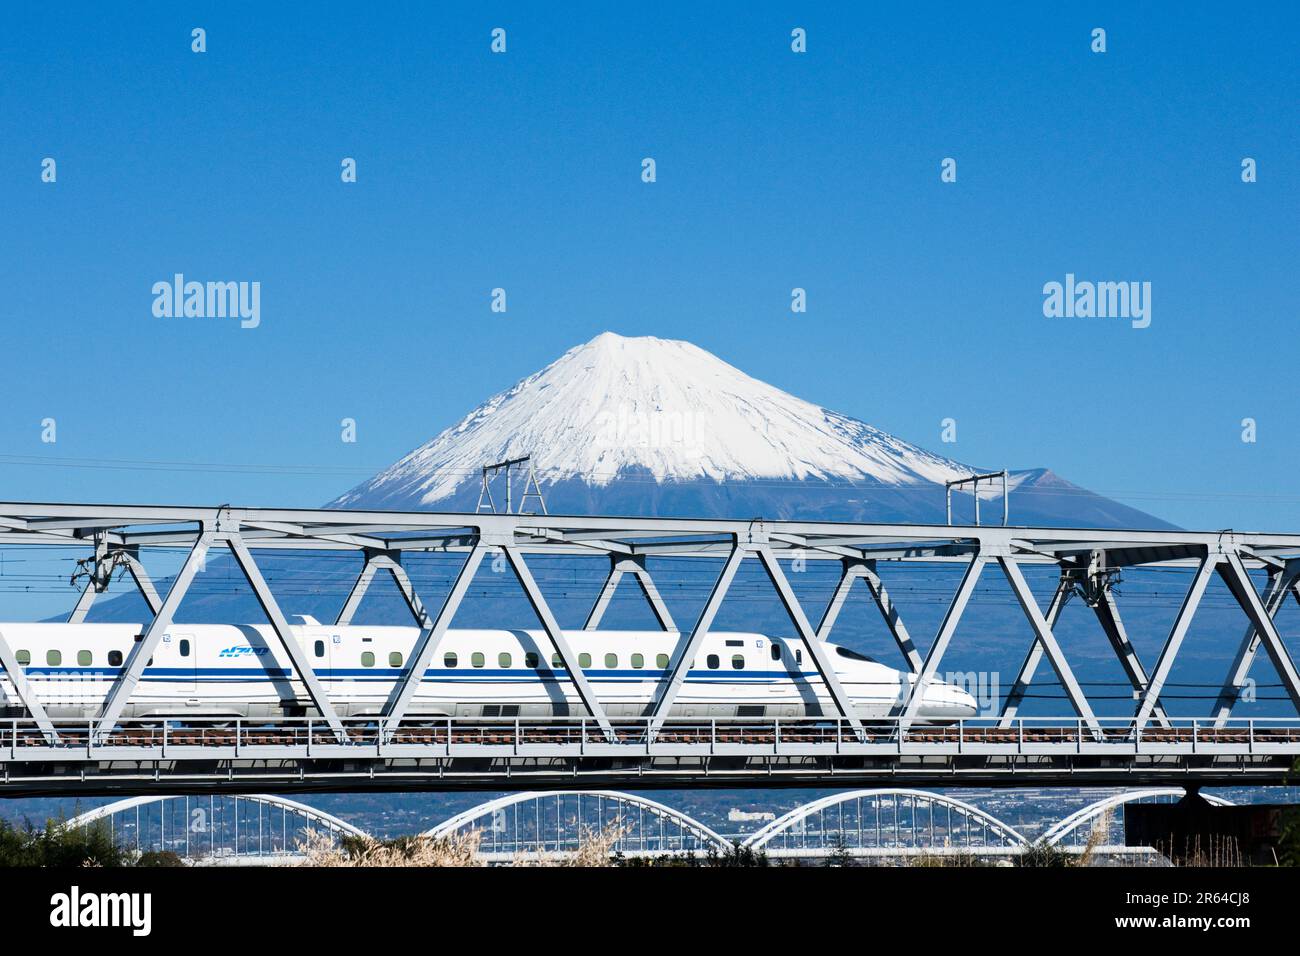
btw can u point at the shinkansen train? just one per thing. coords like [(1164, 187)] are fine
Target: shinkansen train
[(242, 670)]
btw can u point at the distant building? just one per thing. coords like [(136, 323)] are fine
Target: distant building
[(736, 815)]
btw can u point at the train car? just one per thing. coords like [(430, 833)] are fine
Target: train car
[(241, 670)]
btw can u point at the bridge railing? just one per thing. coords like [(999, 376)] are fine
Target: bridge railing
[(22, 739)]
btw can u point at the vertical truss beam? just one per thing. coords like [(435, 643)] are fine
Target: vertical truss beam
[(1176, 634), (934, 656), (825, 665), (24, 691), (143, 649), (1029, 604), (687, 649), (297, 656), (431, 635), (618, 566), (854, 569), (1238, 580), (1279, 583), (552, 628)]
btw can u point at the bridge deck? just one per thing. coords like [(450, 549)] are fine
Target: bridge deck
[(305, 754)]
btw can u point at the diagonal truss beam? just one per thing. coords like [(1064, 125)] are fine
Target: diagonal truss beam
[(1107, 612), (618, 566), (143, 583), (376, 561), (94, 584), (934, 656), (143, 649), (1280, 582), (1025, 676), (142, 580), (23, 689), (359, 588), (431, 635), (393, 565), (686, 650), (1029, 604), (1238, 580), (553, 631), (297, 656), (816, 649), (1176, 634), (853, 570)]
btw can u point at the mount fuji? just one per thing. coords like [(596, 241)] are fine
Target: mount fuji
[(649, 426)]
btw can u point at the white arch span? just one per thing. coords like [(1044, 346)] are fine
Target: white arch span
[(782, 823), (326, 820), (1092, 811), (690, 824)]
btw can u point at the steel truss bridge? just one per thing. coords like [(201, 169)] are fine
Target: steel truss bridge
[(883, 824), (105, 753)]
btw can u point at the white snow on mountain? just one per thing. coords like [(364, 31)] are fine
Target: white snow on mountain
[(617, 405)]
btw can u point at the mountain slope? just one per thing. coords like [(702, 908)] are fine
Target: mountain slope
[(644, 426)]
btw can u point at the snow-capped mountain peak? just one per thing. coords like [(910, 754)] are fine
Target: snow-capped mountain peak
[(617, 406)]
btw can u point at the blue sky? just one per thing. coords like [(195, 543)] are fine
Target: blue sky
[(775, 170)]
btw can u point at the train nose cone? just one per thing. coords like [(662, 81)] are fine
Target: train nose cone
[(948, 700)]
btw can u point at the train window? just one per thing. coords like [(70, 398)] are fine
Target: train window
[(532, 659), (504, 659), (185, 648), (738, 662), (53, 658), (318, 647), (114, 658), (712, 662), (638, 661), (477, 659), (661, 660), (584, 660), (776, 651), (394, 658), (735, 643), (557, 661), (367, 658), (853, 655), (449, 659), (24, 657), (84, 658), (798, 655), (611, 660)]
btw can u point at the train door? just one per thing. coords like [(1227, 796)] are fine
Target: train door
[(183, 651)]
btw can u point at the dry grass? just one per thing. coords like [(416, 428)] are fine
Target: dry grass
[(459, 849), (595, 848)]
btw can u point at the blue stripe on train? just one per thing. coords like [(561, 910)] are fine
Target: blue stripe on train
[(460, 675)]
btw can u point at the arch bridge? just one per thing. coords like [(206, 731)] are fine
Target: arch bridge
[(882, 824)]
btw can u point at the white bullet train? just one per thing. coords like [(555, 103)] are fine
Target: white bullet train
[(201, 670)]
